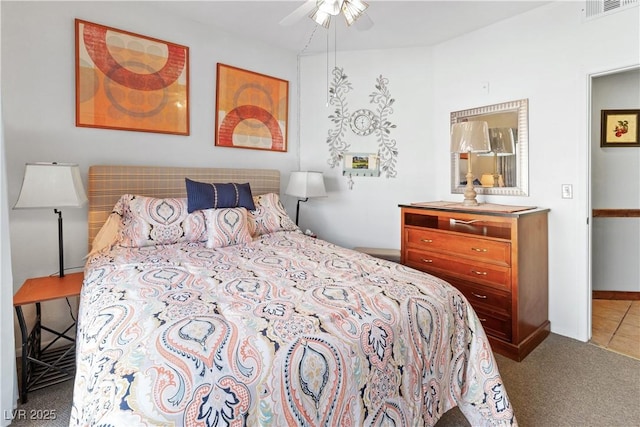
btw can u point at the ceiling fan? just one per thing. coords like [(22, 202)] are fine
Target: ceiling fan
[(321, 12)]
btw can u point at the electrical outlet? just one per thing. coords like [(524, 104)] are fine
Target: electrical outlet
[(567, 191)]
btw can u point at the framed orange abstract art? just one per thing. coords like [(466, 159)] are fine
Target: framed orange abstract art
[(127, 81), (251, 110)]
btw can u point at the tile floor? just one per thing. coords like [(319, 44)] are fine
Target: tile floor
[(616, 326)]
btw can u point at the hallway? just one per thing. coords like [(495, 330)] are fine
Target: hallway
[(616, 326)]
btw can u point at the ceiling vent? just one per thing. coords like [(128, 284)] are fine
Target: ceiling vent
[(597, 8)]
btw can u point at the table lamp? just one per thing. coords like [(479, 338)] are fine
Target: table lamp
[(52, 185), (305, 185), (470, 137)]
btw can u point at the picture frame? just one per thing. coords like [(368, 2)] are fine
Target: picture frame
[(251, 110), (361, 164), (619, 128), (127, 81)]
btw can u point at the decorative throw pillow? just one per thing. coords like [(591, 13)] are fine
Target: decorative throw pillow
[(226, 227), (202, 195), (269, 216), (150, 221)]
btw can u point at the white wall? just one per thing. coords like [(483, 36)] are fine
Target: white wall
[(9, 389), (615, 178), (9, 384), (39, 115), (368, 215), (546, 56)]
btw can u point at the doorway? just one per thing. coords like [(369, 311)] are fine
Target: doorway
[(615, 219)]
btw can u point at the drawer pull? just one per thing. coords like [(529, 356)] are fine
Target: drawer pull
[(479, 296), (482, 319), (479, 273), (428, 261), (426, 240), (461, 221), (479, 249)]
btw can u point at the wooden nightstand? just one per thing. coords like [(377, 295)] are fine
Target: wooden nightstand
[(42, 367)]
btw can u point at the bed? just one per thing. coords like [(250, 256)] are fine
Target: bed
[(210, 327)]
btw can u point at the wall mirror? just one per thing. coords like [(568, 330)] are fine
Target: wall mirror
[(509, 167)]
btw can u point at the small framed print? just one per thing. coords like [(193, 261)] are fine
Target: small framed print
[(128, 81), (361, 164), (619, 128)]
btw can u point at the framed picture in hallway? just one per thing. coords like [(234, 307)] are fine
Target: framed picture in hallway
[(619, 128), (127, 81), (251, 110)]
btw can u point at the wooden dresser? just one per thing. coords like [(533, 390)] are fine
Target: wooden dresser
[(497, 258)]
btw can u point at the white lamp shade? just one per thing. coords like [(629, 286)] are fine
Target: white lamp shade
[(306, 184), (470, 137), (51, 185)]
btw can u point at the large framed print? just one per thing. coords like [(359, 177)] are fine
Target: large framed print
[(251, 110), (619, 128), (127, 81)]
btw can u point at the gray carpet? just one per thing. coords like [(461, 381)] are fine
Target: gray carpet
[(54, 400), (563, 382)]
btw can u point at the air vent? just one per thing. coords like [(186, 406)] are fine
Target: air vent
[(597, 8)]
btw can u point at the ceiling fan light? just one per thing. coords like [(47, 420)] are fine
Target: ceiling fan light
[(353, 9), (332, 7), (321, 18), (358, 4)]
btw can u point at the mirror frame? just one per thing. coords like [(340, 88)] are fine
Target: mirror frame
[(521, 107)]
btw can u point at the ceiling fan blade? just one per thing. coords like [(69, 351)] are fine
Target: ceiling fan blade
[(299, 13), (363, 23)]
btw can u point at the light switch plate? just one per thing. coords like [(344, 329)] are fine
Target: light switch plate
[(567, 191)]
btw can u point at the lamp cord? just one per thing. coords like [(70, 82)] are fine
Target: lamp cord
[(327, 73), (71, 310), (298, 87)]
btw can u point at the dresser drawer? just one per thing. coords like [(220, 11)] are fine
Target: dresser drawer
[(486, 298), (442, 265), (475, 248), (495, 325)]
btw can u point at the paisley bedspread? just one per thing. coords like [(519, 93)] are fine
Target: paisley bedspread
[(285, 330)]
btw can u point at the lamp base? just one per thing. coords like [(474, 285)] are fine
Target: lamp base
[(60, 245), (298, 208), (469, 192), (496, 180)]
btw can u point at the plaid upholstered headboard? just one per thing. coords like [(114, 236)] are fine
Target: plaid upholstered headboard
[(108, 183)]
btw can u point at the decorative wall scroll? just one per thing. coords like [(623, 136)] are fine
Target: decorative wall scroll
[(362, 122), (127, 81), (251, 110)]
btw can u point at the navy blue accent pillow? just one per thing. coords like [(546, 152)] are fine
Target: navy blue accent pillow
[(202, 195)]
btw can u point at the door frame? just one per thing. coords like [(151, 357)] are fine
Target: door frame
[(590, 77)]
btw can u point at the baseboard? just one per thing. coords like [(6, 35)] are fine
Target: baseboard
[(617, 295)]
